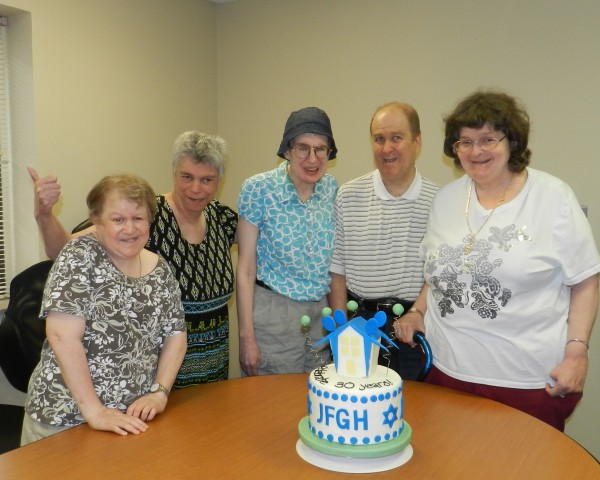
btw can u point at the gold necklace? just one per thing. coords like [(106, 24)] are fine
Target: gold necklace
[(472, 235)]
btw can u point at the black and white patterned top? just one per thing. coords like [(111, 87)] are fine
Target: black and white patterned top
[(205, 274), (204, 270), (126, 322)]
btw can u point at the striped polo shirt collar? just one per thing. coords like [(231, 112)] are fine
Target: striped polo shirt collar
[(411, 194)]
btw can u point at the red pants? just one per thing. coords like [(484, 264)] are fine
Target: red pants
[(537, 403)]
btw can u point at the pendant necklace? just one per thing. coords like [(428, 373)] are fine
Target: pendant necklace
[(472, 234)]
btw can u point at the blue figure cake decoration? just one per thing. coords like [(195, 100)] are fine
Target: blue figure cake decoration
[(355, 343)]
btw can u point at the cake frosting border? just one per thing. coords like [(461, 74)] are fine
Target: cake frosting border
[(378, 450)]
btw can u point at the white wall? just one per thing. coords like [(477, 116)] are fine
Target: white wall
[(349, 56)]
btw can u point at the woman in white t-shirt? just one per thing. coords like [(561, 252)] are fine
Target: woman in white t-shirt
[(511, 269)]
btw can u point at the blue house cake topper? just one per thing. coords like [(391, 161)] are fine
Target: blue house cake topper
[(355, 343)]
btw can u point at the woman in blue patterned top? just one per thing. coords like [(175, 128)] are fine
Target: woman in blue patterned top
[(285, 237)]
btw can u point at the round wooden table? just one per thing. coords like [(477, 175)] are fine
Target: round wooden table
[(247, 429)]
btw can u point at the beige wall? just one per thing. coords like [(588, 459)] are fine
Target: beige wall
[(101, 87), (113, 82), (348, 56)]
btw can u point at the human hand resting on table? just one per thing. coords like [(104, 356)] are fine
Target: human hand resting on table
[(147, 407), (112, 420)]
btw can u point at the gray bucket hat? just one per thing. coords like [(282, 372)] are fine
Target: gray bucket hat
[(307, 120)]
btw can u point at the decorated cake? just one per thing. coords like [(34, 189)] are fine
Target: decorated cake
[(355, 406)]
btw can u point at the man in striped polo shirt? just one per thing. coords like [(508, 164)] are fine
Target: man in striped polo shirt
[(381, 218)]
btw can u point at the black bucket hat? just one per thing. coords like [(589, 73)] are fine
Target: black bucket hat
[(307, 120)]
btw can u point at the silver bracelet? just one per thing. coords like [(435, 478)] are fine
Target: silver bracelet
[(578, 340)]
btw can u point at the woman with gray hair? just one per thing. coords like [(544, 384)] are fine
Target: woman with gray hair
[(194, 233)]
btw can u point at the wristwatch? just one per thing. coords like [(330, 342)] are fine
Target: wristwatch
[(415, 310), (157, 387)]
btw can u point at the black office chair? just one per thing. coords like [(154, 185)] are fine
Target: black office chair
[(22, 334), (87, 223)]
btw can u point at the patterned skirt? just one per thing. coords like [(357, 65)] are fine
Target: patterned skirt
[(207, 356)]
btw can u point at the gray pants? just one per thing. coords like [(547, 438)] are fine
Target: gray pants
[(286, 346)]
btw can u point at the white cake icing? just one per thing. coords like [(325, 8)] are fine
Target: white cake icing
[(355, 410)]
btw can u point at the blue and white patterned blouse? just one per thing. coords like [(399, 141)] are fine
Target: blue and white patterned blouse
[(295, 239)]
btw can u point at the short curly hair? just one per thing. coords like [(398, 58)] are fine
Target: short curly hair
[(131, 187), (501, 112), (201, 148)]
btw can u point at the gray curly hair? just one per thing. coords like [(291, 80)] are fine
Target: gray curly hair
[(200, 148)]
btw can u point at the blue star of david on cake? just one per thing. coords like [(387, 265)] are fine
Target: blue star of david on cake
[(390, 416)]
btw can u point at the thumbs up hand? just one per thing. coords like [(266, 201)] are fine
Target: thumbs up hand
[(47, 192)]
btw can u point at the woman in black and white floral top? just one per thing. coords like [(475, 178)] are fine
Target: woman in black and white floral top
[(114, 321)]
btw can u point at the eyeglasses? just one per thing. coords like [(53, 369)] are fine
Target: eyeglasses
[(302, 151), (486, 144)]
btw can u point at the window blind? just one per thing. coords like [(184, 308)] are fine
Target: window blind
[(6, 218)]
